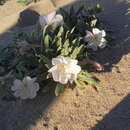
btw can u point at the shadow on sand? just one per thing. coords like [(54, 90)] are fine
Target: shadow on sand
[(22, 115), (118, 118), (116, 16)]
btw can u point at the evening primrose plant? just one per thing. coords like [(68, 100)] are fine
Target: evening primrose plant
[(56, 60), (55, 54)]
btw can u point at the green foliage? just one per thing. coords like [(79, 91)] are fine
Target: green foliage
[(76, 51), (7, 55), (93, 22), (49, 42), (44, 61), (26, 2), (33, 37), (86, 77), (2, 2), (83, 18), (59, 89), (62, 42)]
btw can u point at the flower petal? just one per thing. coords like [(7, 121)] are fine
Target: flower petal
[(26, 79), (102, 43), (96, 31), (17, 93), (50, 17), (73, 77), (64, 81), (42, 20), (47, 19), (17, 85), (99, 34), (34, 79), (93, 46), (36, 87), (75, 69), (58, 18), (89, 36), (63, 78), (33, 95), (52, 69), (58, 60), (103, 33), (56, 75), (24, 94), (33, 91), (71, 61)]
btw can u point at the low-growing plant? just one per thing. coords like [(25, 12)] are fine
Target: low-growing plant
[(55, 54)]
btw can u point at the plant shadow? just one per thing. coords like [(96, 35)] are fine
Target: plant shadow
[(116, 17), (118, 118), (21, 115), (2, 2)]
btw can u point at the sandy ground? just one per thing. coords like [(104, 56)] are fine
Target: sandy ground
[(82, 109)]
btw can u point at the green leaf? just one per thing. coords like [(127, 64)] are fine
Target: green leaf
[(89, 80), (67, 34), (79, 84), (86, 77), (46, 41), (93, 22), (44, 30), (61, 31), (54, 40), (72, 30), (65, 50), (45, 60), (59, 43), (59, 89), (74, 41), (24, 2), (76, 51), (53, 27)]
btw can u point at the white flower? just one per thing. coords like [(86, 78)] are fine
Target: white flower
[(95, 39), (50, 18), (64, 69), (27, 88)]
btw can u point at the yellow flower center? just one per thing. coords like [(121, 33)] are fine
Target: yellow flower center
[(61, 67), (24, 86)]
